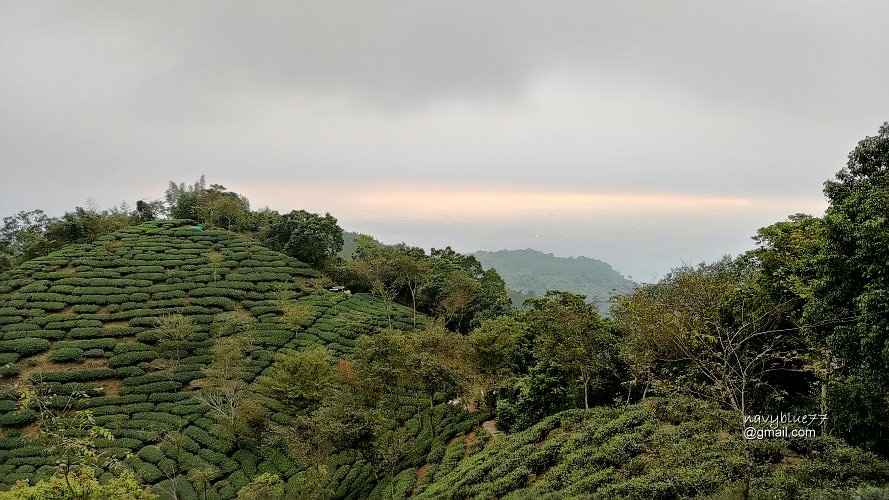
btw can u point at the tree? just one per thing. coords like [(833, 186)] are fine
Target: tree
[(23, 237), (86, 225), (380, 362), (788, 260), (83, 485), (711, 331), (373, 268), (853, 285), (149, 210), (214, 206), (438, 362), (411, 269), (303, 380), (570, 333), (462, 292), (223, 389), (174, 331), (496, 354), (308, 237), (266, 486)]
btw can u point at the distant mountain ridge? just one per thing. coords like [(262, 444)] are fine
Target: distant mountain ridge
[(530, 273)]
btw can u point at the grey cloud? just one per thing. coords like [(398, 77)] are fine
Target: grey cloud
[(406, 52), (113, 98)]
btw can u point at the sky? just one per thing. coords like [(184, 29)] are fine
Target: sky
[(647, 134)]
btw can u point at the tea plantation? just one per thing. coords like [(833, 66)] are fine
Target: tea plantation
[(84, 320), (657, 449)]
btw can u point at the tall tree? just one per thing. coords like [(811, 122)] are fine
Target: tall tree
[(570, 333), (23, 237), (496, 354), (853, 285)]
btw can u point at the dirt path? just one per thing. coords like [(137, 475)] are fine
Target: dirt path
[(491, 427)]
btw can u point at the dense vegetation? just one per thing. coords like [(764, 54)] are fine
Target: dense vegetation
[(531, 273), (210, 356)]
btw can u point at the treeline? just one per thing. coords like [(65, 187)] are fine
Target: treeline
[(309, 237), (444, 284)]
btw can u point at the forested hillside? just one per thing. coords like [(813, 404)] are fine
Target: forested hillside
[(198, 349), (530, 273)]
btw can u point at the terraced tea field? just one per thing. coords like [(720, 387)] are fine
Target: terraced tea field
[(85, 320)]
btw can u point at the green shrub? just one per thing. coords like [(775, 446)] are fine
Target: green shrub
[(225, 464), (151, 454), (165, 397), (25, 346), (148, 337), (203, 437), (8, 357), (74, 376), (10, 370), (130, 358), (94, 353), (85, 308), (22, 327), (65, 354), (64, 324), (39, 334), (168, 386), (18, 418), (247, 460), (146, 472), (147, 321), (48, 306), (217, 302), (10, 319), (263, 487)]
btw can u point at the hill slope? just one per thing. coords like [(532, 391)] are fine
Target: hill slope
[(531, 273), (85, 319), (657, 449)]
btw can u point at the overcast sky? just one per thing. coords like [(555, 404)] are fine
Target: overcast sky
[(643, 133)]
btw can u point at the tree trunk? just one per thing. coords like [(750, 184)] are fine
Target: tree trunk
[(824, 404), (432, 414), (414, 305)]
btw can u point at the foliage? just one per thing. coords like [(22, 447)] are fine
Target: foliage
[(219, 367), (444, 284), (308, 237), (265, 486), (497, 355), (303, 380), (852, 285), (660, 448), (213, 206), (84, 486), (713, 332), (569, 333)]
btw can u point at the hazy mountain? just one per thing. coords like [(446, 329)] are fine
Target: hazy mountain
[(530, 273)]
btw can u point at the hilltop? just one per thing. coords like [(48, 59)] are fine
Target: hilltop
[(531, 273)]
